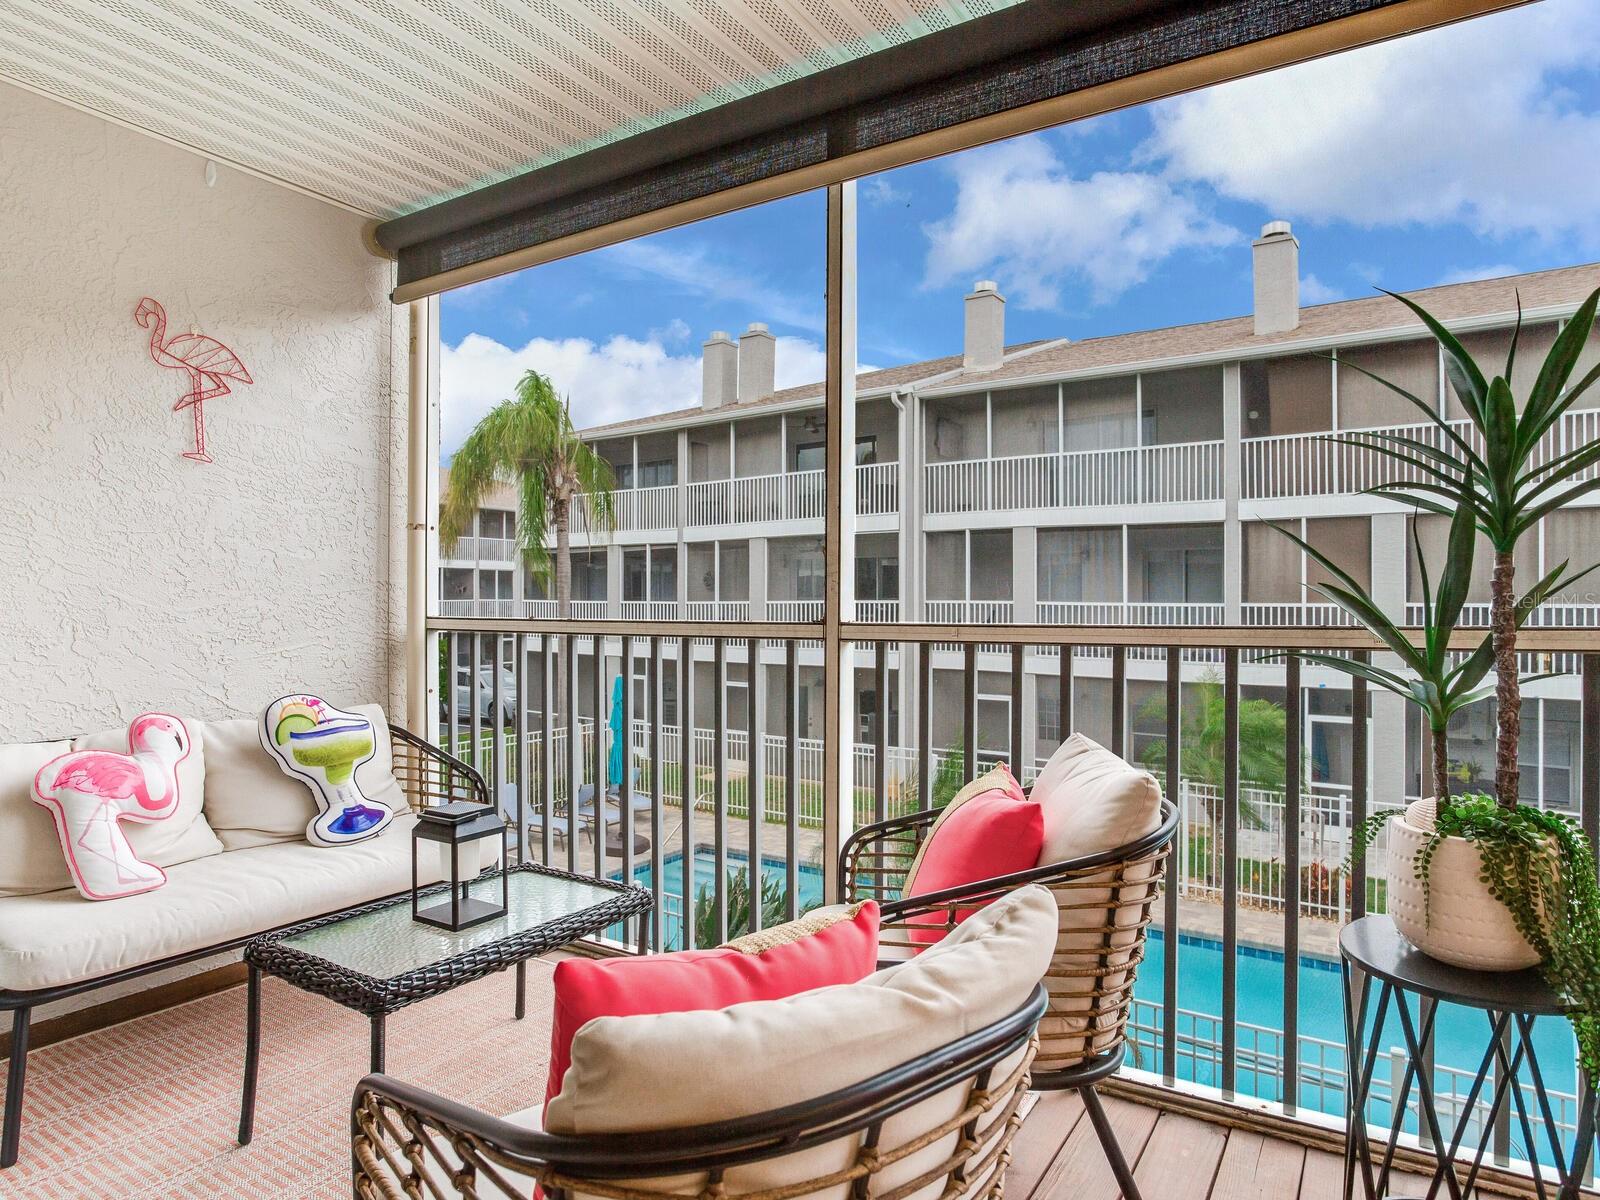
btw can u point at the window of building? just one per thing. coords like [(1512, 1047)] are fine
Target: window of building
[(455, 584), (1181, 406), (1293, 394), (496, 523), (1080, 565), (1364, 403), (1175, 564), (1099, 414), (494, 585)]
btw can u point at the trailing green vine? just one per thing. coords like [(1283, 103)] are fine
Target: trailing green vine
[(1539, 865)]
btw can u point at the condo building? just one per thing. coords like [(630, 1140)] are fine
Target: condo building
[(1123, 480)]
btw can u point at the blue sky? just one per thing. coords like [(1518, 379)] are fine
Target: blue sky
[(1465, 152)]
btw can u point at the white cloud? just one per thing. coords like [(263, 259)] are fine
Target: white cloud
[(878, 190), (1469, 123), (1469, 274), (612, 381), (1021, 216), (1314, 291), (700, 271)]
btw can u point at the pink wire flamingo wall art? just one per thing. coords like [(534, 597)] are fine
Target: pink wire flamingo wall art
[(208, 363)]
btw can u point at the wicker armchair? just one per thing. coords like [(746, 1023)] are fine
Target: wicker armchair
[(409, 1144), (1105, 901)]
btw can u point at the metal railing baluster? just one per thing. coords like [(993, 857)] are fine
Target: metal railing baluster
[(880, 739), (688, 786), (719, 741), (569, 668), (1119, 700), (625, 787), (1018, 650), (755, 776), (969, 714), (924, 723), (524, 791), (475, 648), (1291, 884), (1064, 703), (497, 780), (597, 757), (657, 799), (547, 748), (1169, 900), (791, 833), (1230, 869), (1358, 788), (448, 686)]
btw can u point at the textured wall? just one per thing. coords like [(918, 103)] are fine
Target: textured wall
[(131, 577)]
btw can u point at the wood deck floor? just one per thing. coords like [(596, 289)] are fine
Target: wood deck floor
[(1056, 1156)]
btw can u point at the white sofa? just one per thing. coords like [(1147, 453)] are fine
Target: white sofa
[(235, 855)]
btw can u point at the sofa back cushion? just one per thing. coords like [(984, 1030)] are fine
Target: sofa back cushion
[(630, 1074), (1093, 801), (183, 836), (983, 836), (251, 802), (836, 945), (30, 856)]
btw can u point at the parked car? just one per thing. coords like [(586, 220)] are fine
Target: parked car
[(485, 696)]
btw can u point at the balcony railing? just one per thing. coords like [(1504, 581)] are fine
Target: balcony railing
[(1294, 614), (794, 610), (718, 610), (502, 610), (483, 549), (1262, 871), (970, 612), (1179, 472), (1090, 612), (878, 611), (1313, 464), (646, 508), (649, 610), (877, 489)]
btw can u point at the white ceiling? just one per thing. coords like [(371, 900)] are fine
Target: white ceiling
[(387, 105)]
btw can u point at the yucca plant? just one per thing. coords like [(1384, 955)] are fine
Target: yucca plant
[(1508, 487)]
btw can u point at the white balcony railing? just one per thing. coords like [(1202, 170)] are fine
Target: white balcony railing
[(1117, 612), (794, 610), (1180, 472), (646, 508), (877, 489), (1298, 614), (718, 610), (649, 610), (483, 549), (513, 610), (970, 612), (879, 612)]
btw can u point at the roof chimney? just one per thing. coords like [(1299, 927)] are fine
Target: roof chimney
[(757, 363), (985, 342), (1277, 278), (720, 366)]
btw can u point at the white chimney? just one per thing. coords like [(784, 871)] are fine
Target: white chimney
[(758, 363), (985, 342), (1277, 278), (720, 366)]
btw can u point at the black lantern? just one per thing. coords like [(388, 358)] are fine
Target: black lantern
[(452, 827)]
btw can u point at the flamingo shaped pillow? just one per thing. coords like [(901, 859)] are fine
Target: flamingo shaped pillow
[(89, 793), (321, 746)]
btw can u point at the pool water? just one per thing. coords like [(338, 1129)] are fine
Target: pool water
[(1459, 1033)]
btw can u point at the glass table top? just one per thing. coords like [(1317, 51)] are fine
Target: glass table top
[(386, 942)]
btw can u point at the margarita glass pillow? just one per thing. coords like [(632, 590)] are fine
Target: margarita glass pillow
[(89, 793), (321, 746)]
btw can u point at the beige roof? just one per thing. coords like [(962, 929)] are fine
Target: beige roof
[(1564, 286)]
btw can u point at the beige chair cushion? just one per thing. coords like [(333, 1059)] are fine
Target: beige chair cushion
[(1093, 801), (58, 937), (997, 777), (251, 802), (679, 1069), (30, 854)]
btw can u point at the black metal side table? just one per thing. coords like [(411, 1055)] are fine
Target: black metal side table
[(1413, 985)]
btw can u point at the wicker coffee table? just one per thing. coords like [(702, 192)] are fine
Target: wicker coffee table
[(375, 959)]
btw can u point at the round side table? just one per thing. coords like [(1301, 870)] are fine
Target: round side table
[(1413, 985)]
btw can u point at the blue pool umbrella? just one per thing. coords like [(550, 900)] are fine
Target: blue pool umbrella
[(614, 764)]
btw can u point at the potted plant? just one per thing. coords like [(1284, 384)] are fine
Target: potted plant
[(1484, 882)]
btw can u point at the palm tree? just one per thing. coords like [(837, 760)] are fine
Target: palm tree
[(529, 442), (1203, 740), (1508, 487)]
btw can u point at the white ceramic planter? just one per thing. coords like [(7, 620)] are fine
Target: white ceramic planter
[(1458, 921)]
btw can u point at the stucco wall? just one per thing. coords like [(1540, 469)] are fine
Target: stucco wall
[(131, 577)]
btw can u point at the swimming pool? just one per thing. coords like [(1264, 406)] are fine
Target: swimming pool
[(1459, 1037)]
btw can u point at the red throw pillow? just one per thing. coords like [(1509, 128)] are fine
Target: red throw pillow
[(842, 951), (994, 833)]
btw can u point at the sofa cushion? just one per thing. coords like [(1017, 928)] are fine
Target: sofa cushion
[(1093, 801), (251, 802), (185, 835), (998, 776), (985, 836), (30, 855), (58, 937), (628, 1073), (838, 945)]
